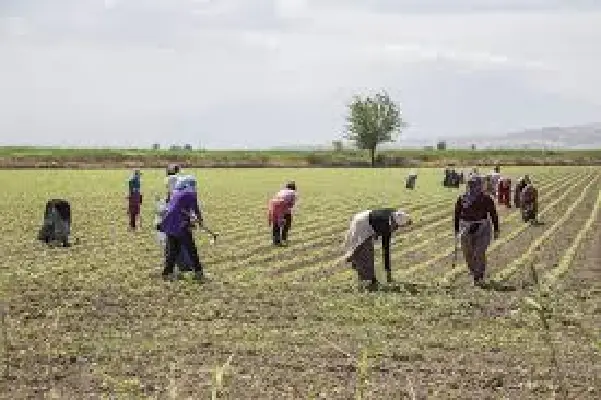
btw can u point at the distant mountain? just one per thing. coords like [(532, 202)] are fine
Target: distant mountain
[(575, 137)]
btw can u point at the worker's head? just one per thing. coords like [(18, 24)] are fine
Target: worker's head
[(399, 219), (173, 169)]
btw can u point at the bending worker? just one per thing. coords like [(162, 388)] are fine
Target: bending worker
[(359, 244)]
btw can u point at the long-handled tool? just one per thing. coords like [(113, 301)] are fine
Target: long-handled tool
[(213, 239), (455, 251)]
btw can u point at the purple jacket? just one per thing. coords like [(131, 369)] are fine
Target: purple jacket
[(176, 218)]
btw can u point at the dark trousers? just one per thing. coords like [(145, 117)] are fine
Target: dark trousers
[(173, 248), (280, 230), (135, 200), (386, 256)]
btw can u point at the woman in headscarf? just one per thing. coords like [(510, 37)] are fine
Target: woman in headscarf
[(57, 222), (182, 211), (280, 213), (504, 191), (475, 218), (521, 184), (488, 185), (134, 198), (359, 244), (173, 174), (410, 180), (495, 176), (529, 201)]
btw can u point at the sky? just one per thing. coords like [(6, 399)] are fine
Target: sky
[(225, 74)]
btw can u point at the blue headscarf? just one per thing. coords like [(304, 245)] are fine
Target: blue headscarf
[(474, 190), (185, 183), (134, 182)]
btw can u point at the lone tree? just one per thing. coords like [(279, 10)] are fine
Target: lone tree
[(372, 121)]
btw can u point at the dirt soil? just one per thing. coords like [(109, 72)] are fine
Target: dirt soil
[(77, 330)]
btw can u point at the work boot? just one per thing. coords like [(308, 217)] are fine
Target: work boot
[(372, 286)]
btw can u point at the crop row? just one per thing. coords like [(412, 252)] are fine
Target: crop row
[(568, 256), (404, 243), (321, 250), (238, 226), (522, 227), (529, 253), (324, 224), (448, 251), (512, 235)]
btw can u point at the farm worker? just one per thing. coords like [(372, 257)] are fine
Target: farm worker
[(359, 243), (134, 198), (474, 212), (57, 222), (521, 184), (473, 172), (176, 224), (488, 185), (504, 191), (447, 177), (529, 201), (495, 176), (173, 173), (280, 213), (183, 261), (410, 181)]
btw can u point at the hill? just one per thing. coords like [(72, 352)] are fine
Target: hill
[(574, 137)]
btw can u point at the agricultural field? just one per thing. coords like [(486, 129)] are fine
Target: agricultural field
[(96, 321)]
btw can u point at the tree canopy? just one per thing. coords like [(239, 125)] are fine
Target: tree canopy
[(373, 120)]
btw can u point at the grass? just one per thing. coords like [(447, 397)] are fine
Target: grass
[(56, 157), (95, 321)]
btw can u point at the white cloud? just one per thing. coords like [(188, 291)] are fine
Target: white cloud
[(169, 67)]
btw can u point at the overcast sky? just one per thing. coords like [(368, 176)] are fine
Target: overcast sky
[(260, 73)]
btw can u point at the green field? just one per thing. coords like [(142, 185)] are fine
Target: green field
[(96, 320)]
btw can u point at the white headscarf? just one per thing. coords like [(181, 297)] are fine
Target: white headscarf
[(401, 218)]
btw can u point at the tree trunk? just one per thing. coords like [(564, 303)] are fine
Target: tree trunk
[(372, 153)]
